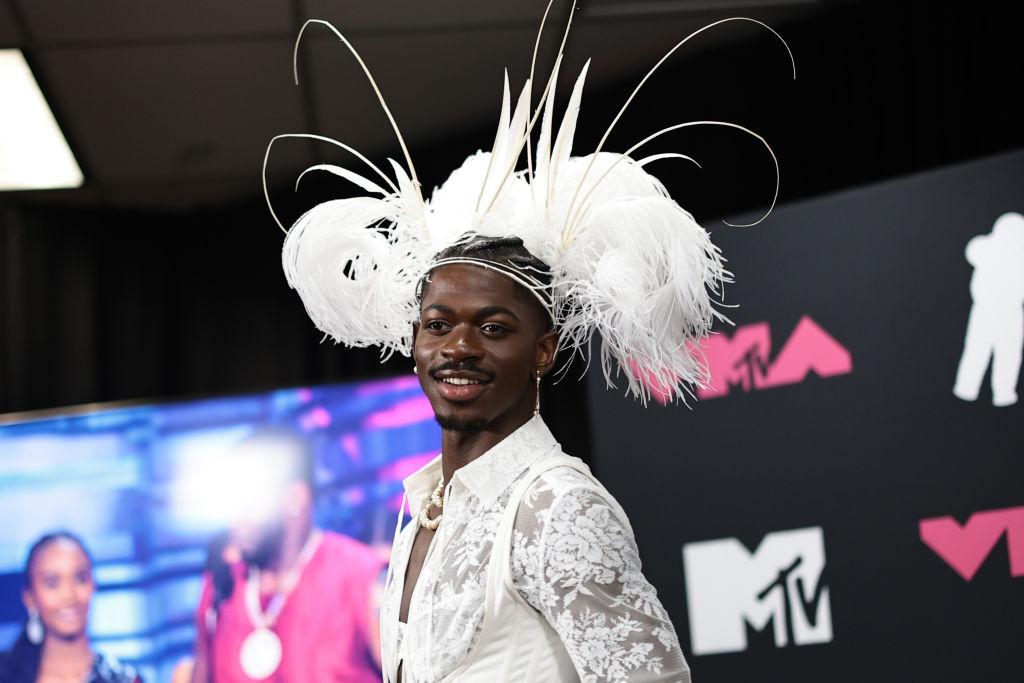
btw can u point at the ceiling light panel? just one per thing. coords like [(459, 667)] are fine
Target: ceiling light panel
[(33, 152)]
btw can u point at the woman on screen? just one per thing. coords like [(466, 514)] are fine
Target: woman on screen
[(54, 644)]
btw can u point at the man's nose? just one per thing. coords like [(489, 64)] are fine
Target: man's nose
[(462, 343)]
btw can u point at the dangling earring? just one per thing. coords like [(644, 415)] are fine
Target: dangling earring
[(415, 371), (34, 628), (536, 406)]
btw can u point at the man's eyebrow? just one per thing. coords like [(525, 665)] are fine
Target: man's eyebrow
[(484, 312), (488, 311), (441, 308)]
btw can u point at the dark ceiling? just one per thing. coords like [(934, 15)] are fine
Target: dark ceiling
[(169, 105)]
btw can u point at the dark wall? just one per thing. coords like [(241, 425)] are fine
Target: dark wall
[(103, 305), (835, 441), (114, 306)]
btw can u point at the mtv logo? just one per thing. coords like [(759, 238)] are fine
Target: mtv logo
[(742, 360), (728, 589), (965, 548)]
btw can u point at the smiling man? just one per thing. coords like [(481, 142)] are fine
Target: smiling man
[(517, 564)]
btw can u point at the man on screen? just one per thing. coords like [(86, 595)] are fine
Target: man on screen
[(284, 601)]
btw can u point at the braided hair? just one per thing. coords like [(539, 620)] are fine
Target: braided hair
[(508, 253)]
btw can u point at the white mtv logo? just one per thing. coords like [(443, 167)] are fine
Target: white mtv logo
[(728, 588)]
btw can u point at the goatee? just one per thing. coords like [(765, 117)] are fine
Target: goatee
[(452, 424)]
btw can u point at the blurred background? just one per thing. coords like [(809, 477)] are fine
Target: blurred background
[(146, 277)]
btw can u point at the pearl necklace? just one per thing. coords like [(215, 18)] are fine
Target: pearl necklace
[(435, 501)]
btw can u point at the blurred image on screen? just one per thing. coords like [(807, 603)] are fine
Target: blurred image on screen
[(150, 487)]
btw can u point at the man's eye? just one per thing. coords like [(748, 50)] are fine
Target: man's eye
[(436, 326), (494, 328)]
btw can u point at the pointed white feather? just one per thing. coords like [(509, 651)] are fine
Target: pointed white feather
[(505, 156), (499, 139), (409, 210), (517, 127), (540, 174), (567, 131)]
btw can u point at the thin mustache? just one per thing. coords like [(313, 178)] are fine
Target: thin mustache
[(457, 366)]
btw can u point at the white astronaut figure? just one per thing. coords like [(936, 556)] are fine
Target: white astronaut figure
[(995, 328)]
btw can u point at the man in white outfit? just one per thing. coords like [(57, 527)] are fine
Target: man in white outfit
[(584, 607), (517, 565)]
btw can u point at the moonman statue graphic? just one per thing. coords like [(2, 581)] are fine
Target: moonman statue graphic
[(995, 328)]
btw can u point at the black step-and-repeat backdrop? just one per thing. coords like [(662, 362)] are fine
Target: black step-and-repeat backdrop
[(847, 502)]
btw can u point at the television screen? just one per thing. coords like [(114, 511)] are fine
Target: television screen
[(148, 487)]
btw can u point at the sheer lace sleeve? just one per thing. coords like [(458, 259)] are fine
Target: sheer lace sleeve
[(574, 559)]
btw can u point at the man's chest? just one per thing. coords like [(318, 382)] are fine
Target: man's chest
[(417, 556), (438, 566)]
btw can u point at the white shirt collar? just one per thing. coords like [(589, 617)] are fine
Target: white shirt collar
[(491, 473)]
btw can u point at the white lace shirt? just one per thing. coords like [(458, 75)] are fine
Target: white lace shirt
[(574, 560)]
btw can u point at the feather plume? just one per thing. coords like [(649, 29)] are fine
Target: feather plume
[(356, 285), (629, 265)]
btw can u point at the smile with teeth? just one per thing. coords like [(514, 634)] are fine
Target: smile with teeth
[(460, 380)]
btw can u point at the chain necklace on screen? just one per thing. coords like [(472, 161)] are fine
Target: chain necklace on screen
[(261, 650)]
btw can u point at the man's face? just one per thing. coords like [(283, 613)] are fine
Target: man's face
[(477, 347), (258, 542)]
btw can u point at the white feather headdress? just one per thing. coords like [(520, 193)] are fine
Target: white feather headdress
[(627, 262)]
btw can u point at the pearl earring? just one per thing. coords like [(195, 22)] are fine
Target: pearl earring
[(536, 405)]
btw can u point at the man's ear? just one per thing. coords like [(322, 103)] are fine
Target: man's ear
[(547, 346), (415, 331), (27, 601)]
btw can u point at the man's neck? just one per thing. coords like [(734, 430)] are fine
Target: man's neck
[(292, 542), (459, 448)]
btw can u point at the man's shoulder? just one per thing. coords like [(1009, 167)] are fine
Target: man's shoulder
[(563, 504), (563, 483), (565, 476)]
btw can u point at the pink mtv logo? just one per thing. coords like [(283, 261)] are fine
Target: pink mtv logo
[(743, 360), (965, 548)]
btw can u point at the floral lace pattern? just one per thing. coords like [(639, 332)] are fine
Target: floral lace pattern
[(573, 559)]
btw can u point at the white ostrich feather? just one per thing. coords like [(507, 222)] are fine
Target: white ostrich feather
[(627, 262)]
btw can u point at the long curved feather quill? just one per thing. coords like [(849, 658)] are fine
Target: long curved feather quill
[(629, 100), (321, 138), (373, 84)]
